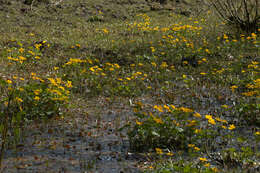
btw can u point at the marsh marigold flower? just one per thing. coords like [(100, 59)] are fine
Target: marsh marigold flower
[(207, 165), (203, 159), (138, 122), (164, 65), (224, 106), (191, 145), (69, 84), (36, 98), (158, 120), (196, 114), (233, 88), (9, 81), (19, 99), (158, 151), (169, 154), (197, 148), (208, 117), (231, 127), (197, 131), (185, 109), (167, 107), (212, 121), (159, 108)]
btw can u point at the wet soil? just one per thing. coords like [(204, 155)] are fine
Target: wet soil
[(88, 140)]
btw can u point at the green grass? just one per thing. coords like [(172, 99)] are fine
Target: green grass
[(190, 85)]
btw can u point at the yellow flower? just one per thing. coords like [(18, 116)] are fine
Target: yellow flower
[(138, 122), (6, 103), (203, 73), (250, 93), (197, 148), (164, 65), (207, 165), (92, 69), (55, 68), (58, 80), (257, 133), (21, 50), (212, 121), (19, 99), (191, 145), (158, 151), (167, 107), (203, 159), (152, 49), (208, 117), (158, 120), (53, 82), (191, 123), (69, 84), (197, 131), (224, 127), (221, 120), (22, 58), (21, 89), (196, 114), (153, 64), (37, 92), (116, 65), (159, 108), (225, 36), (185, 109), (224, 106), (62, 88), (173, 107), (207, 50), (231, 127), (233, 88), (169, 154), (36, 98), (9, 81), (253, 35), (204, 59), (105, 31)]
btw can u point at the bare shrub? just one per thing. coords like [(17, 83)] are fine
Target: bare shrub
[(243, 14)]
